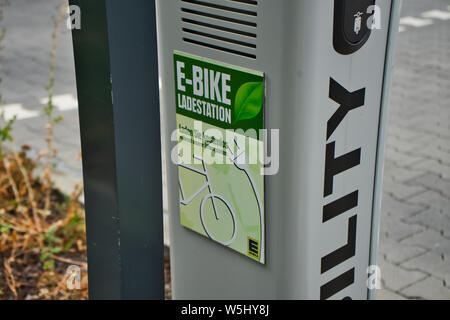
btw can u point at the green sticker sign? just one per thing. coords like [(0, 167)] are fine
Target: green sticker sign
[(220, 117)]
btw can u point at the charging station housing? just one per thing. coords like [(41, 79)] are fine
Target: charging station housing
[(327, 66)]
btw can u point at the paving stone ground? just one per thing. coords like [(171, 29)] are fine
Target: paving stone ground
[(414, 254)]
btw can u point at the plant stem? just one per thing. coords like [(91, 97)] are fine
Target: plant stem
[(51, 150), (9, 275), (11, 181), (30, 191)]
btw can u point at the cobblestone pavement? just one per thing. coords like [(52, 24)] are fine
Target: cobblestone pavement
[(415, 226)]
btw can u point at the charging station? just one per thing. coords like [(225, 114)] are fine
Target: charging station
[(316, 72)]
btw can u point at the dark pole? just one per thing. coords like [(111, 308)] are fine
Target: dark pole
[(117, 82)]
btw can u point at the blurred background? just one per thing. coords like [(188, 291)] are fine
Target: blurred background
[(39, 111)]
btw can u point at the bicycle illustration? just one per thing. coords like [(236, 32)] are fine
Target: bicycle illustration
[(240, 161), (211, 195)]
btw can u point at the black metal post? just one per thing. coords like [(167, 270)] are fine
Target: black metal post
[(118, 94)]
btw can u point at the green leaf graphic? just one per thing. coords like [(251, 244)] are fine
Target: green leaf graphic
[(249, 101)]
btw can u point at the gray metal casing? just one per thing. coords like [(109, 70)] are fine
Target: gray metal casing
[(295, 51)]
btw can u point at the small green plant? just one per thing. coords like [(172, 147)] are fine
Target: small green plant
[(52, 151), (5, 228), (51, 248), (5, 131)]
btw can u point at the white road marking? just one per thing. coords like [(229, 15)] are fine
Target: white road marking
[(63, 102), (401, 29), (415, 22), (437, 14), (16, 109)]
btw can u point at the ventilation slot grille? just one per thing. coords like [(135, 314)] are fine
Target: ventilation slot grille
[(226, 25)]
